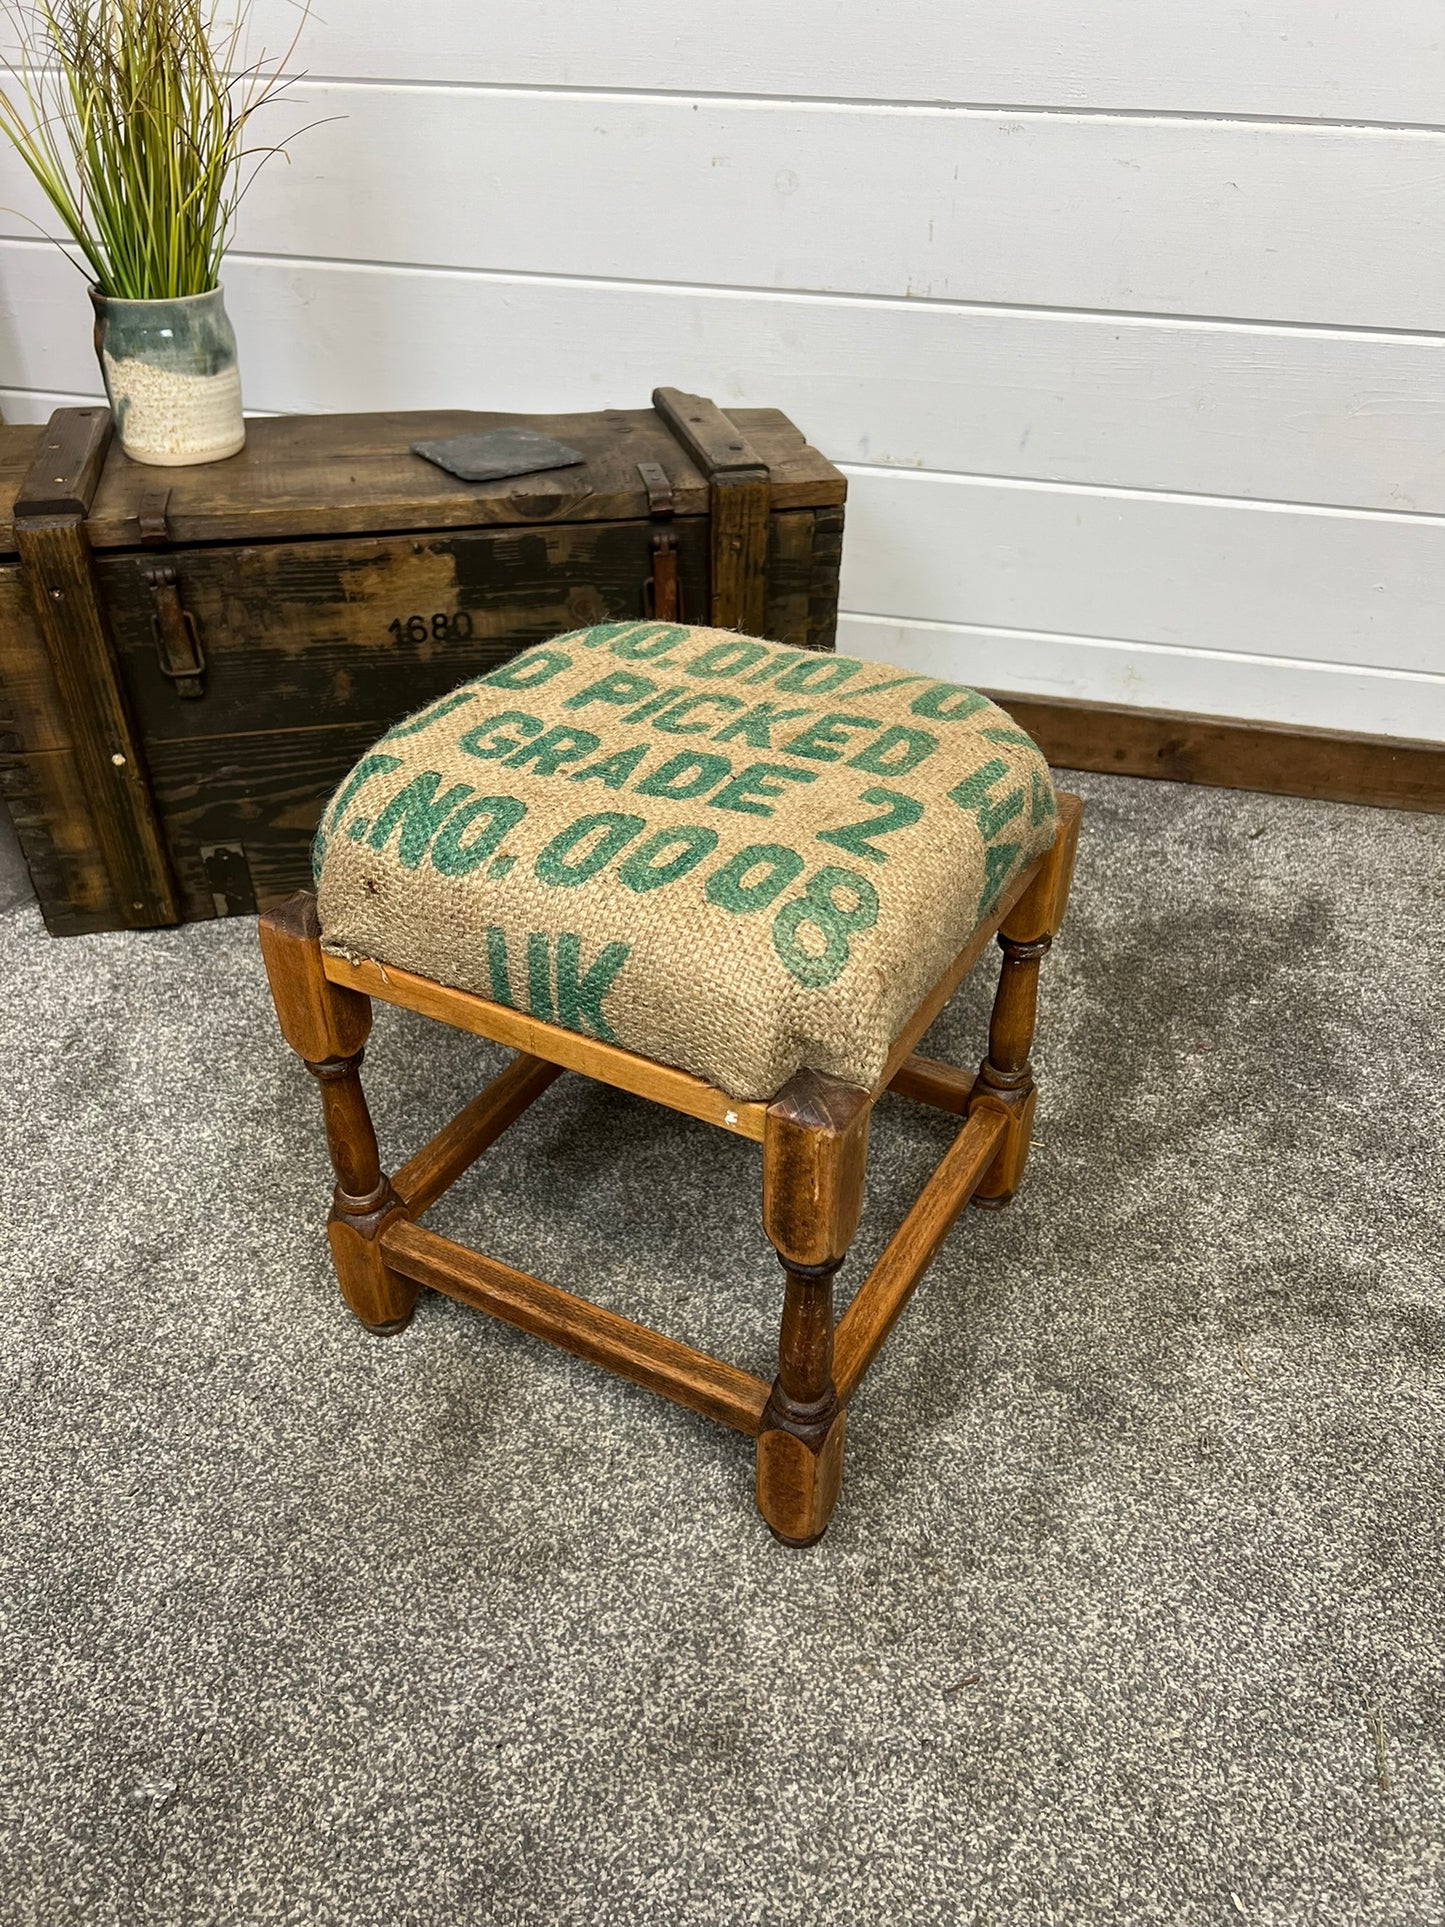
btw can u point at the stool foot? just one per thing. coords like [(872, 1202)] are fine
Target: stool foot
[(380, 1298), (388, 1331), (800, 1471)]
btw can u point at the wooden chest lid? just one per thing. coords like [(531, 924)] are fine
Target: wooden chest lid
[(319, 475)]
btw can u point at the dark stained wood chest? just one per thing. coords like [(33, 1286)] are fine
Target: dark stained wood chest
[(190, 659)]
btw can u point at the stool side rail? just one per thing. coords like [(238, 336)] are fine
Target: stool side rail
[(458, 1144), (878, 1301), (943, 1087), (902, 1045), (569, 1049), (688, 1377)]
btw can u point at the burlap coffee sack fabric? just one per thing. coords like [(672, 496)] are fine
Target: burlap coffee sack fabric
[(728, 855)]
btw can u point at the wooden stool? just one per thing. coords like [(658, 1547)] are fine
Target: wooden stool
[(814, 1135)]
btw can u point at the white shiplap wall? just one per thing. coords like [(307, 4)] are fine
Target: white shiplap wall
[(1127, 321)]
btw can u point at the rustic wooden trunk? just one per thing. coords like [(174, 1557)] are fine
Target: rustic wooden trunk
[(190, 659)]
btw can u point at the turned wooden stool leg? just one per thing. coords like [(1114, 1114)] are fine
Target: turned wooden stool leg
[(815, 1149), (1005, 1079), (327, 1026)]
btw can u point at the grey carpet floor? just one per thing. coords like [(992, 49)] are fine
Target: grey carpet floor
[(1132, 1607)]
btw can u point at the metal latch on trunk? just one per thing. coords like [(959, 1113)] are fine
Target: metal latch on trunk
[(662, 591), (177, 643)]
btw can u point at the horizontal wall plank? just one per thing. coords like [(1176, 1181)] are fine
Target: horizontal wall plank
[(38, 405), (1272, 57), (1299, 695), (1243, 578), (1279, 414), (1260, 222)]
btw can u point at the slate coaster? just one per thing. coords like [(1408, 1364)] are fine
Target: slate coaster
[(501, 451)]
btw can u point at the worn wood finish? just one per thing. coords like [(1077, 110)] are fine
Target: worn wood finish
[(926, 1081), (63, 474), (264, 792), (296, 631), (351, 1137), (1015, 1008), (319, 1019), (1005, 1085), (1382, 771), (58, 842), (815, 1151), (331, 475), (823, 588), (327, 1027), (331, 581), (32, 716), (881, 1297), (714, 441), (741, 509), (271, 658), (689, 1377), (379, 1297), (40, 778), (62, 693), (741, 503), (302, 632), (800, 1441), (115, 790), (622, 1069), (458, 1145)]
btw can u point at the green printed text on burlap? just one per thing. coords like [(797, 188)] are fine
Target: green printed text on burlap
[(728, 855)]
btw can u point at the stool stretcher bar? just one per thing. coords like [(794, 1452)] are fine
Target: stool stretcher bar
[(648, 1357), (690, 1377), (458, 1145), (912, 1249), (926, 1081)]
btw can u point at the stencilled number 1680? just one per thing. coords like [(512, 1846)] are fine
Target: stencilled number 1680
[(438, 628)]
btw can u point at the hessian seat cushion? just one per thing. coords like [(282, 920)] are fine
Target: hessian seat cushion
[(728, 855)]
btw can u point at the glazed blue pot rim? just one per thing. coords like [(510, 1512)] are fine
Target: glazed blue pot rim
[(152, 301)]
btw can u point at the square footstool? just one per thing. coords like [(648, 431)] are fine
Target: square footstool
[(724, 874)]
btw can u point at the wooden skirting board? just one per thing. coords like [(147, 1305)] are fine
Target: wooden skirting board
[(1388, 772)]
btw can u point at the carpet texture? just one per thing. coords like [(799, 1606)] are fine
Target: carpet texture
[(14, 883), (1131, 1610)]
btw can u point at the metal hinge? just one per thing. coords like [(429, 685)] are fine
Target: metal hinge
[(662, 591), (153, 517), (228, 877), (174, 628)]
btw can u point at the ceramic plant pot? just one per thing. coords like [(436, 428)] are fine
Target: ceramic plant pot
[(171, 375)]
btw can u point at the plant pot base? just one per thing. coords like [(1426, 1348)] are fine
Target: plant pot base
[(149, 458), (170, 372)]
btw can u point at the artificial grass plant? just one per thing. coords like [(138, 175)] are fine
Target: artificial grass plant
[(134, 117)]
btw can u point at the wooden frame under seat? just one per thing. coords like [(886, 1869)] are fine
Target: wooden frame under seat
[(814, 1135)]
